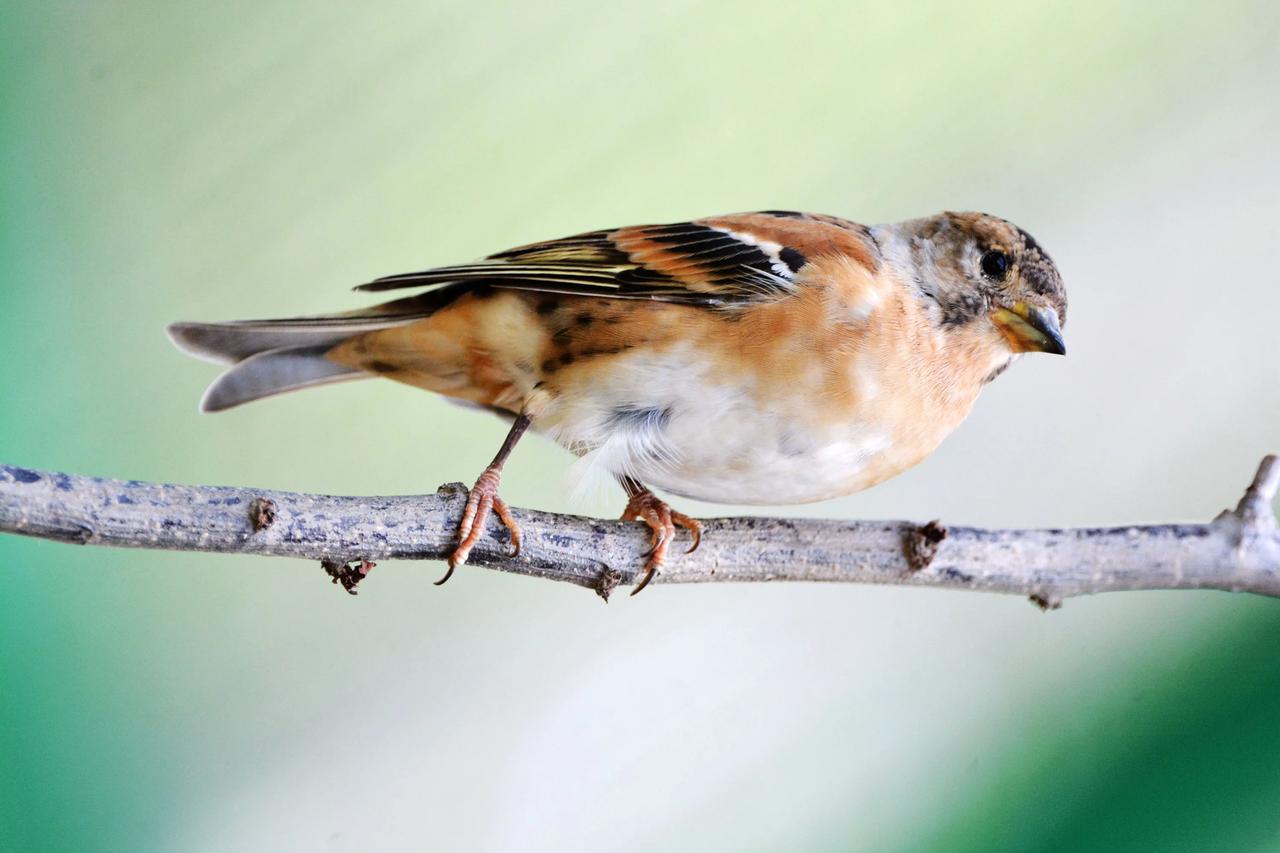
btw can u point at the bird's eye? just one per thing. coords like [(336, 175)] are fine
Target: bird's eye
[(994, 265)]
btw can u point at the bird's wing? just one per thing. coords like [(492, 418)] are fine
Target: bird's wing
[(717, 261)]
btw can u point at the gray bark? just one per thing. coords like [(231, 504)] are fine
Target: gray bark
[(1238, 551)]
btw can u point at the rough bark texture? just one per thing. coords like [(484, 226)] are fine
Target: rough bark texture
[(1238, 551)]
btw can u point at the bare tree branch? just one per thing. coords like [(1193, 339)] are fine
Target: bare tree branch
[(1238, 551)]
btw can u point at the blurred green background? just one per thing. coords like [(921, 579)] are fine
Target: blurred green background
[(165, 161)]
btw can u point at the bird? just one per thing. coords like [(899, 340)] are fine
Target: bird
[(773, 357)]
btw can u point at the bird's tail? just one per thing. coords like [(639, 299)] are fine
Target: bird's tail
[(269, 357)]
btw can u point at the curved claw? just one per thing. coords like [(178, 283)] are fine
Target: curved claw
[(693, 526), (649, 572), (447, 575), (660, 536)]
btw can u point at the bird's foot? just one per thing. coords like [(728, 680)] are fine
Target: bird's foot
[(662, 520), (482, 501)]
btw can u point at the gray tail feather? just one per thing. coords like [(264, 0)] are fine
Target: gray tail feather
[(229, 343), (267, 357), (273, 372)]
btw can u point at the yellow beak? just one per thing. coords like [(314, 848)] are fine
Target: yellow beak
[(1030, 329)]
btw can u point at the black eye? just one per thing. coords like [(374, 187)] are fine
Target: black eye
[(994, 265)]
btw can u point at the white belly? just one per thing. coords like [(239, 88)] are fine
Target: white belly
[(673, 423)]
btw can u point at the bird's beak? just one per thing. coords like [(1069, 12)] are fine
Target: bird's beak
[(1030, 329)]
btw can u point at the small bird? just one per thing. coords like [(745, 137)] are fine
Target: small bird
[(754, 358)]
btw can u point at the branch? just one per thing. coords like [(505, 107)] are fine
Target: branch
[(1237, 551)]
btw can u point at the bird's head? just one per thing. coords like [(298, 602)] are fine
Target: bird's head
[(976, 268)]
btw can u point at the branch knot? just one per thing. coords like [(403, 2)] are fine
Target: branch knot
[(921, 544)]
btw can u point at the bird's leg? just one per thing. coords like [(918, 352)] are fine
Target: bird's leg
[(644, 505), (484, 499)]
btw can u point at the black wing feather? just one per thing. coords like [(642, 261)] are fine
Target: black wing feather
[(685, 262)]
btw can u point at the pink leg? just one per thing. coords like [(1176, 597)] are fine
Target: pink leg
[(483, 501)]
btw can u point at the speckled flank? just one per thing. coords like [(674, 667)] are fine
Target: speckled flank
[(483, 350)]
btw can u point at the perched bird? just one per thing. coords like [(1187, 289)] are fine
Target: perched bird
[(754, 358)]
